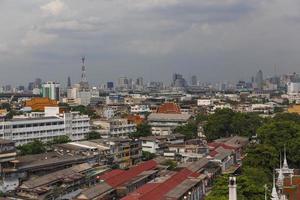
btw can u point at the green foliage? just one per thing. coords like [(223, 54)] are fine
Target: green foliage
[(143, 130), (201, 118), (287, 117), (258, 166), (248, 188), (85, 110), (147, 156), (115, 166), (264, 157), (61, 139), (35, 147), (225, 122), (190, 130), (93, 135), (171, 164)]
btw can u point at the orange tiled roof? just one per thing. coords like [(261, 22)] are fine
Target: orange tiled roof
[(40, 103), (170, 108)]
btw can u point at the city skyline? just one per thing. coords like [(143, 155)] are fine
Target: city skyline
[(214, 40)]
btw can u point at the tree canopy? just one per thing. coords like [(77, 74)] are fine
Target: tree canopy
[(93, 135), (225, 122), (262, 158), (142, 130)]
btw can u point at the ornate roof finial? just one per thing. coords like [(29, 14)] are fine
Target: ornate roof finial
[(274, 195), (285, 164)]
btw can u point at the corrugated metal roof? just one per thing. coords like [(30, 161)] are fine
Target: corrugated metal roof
[(125, 176), (159, 191)]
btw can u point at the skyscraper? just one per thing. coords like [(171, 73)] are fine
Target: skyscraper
[(69, 85), (259, 80), (194, 81)]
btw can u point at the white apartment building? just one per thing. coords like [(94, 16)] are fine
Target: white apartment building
[(140, 109), (45, 127)]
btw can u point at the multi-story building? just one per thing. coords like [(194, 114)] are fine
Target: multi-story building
[(45, 126), (9, 180), (138, 109), (125, 152), (114, 127), (164, 124), (51, 90)]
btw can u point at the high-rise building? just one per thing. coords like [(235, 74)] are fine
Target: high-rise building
[(37, 83), (139, 81), (110, 85), (69, 85), (259, 80), (51, 90), (84, 85), (194, 81), (178, 81), (123, 83)]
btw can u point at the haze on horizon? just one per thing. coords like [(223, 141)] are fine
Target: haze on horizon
[(215, 40)]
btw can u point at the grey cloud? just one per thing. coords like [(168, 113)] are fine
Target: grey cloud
[(213, 39)]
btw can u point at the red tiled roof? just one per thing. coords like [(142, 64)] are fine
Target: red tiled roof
[(140, 191), (213, 153), (170, 108), (157, 192), (125, 176), (111, 174)]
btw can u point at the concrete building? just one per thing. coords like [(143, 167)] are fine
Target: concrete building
[(157, 144), (51, 90), (293, 88), (125, 152), (164, 124), (45, 126), (140, 109), (114, 127)]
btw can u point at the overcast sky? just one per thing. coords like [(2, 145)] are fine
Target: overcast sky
[(214, 39)]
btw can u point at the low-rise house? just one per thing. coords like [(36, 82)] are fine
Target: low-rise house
[(157, 144), (118, 183), (224, 157), (186, 152), (189, 182), (56, 184)]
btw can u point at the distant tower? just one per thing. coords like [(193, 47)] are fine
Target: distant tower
[(84, 85), (232, 188), (259, 79), (69, 85)]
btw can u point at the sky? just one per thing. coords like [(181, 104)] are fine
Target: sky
[(216, 40)]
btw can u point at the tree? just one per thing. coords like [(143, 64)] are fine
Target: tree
[(219, 124), (142, 130), (189, 130), (147, 155), (85, 110), (245, 124), (247, 188), (35, 147), (93, 135), (171, 164), (225, 122), (263, 157), (61, 139)]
